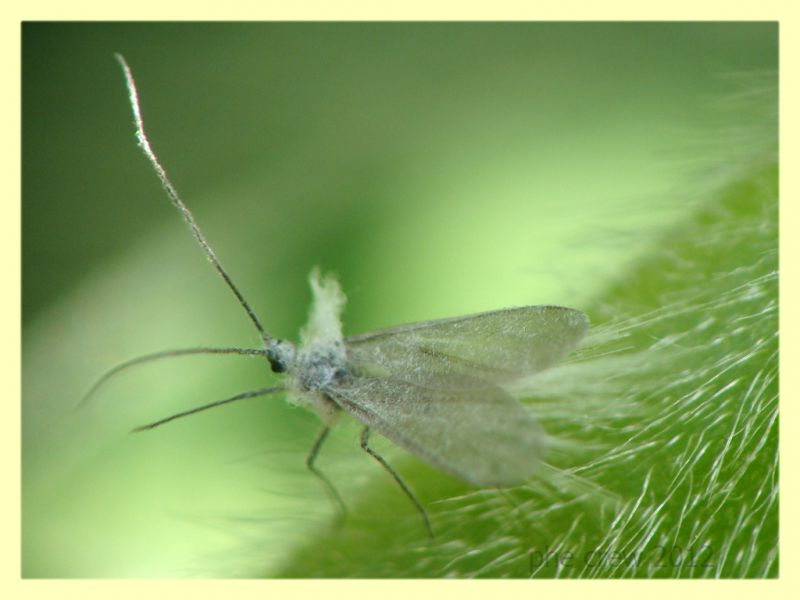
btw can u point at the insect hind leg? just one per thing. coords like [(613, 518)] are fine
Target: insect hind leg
[(365, 447), (310, 465)]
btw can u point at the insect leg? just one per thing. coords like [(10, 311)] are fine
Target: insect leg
[(365, 447), (311, 459), (197, 409)]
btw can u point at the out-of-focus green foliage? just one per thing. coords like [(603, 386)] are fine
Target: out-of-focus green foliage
[(439, 169)]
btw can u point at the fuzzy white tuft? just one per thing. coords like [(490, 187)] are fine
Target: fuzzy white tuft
[(324, 326)]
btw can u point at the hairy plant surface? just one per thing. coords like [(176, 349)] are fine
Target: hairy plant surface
[(664, 431)]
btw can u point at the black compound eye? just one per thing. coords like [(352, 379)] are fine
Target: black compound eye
[(276, 363)]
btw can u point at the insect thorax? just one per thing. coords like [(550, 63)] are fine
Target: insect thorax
[(320, 367), (316, 370)]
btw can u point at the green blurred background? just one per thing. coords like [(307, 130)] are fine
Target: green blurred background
[(438, 169)]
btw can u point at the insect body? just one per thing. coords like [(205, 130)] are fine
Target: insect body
[(435, 388)]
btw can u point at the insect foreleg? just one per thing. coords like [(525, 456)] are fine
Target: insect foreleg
[(311, 459)]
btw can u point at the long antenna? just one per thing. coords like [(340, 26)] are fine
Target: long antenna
[(158, 356), (144, 143)]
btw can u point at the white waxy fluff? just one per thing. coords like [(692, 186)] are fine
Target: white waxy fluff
[(324, 326), (321, 350)]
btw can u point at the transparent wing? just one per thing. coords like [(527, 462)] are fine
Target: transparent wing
[(497, 346), (459, 424)]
